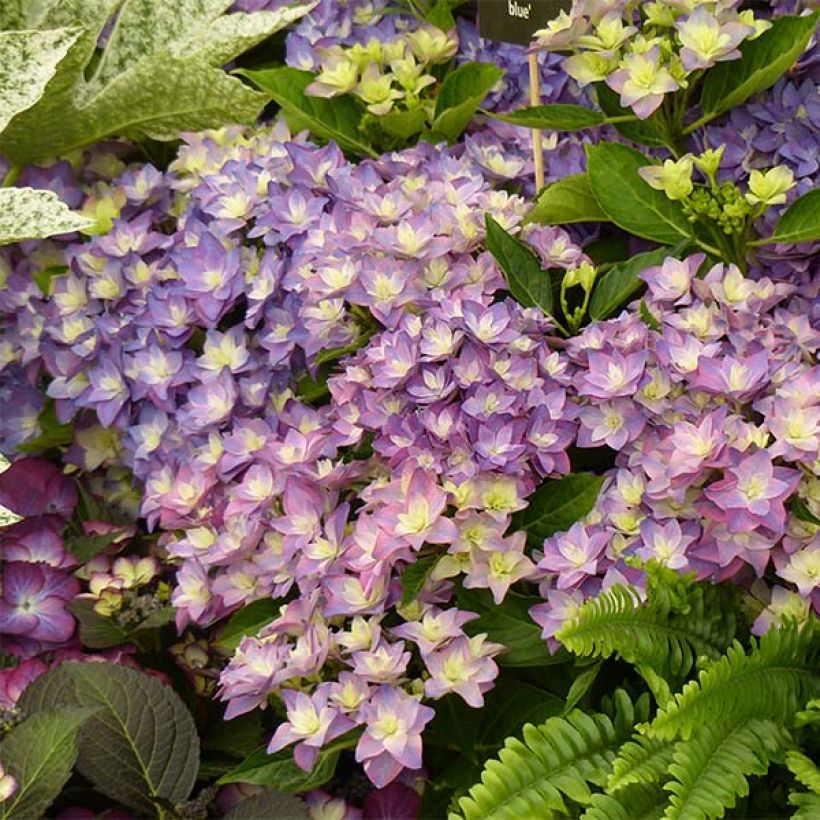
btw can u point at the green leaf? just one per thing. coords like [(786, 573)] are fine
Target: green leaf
[(40, 753), (247, 621), (158, 74), (556, 505), (649, 320), (403, 124), (615, 287), (140, 723), (414, 577), (580, 686), (628, 201), (800, 222), (462, 91), (555, 117), (334, 119), (528, 282), (280, 772), (441, 16), (798, 508), (86, 547), (44, 278), (764, 61), (34, 213), (509, 624), (270, 804), (641, 131), (565, 201)]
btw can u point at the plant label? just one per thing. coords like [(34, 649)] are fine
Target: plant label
[(514, 21)]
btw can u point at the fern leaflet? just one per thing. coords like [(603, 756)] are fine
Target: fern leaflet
[(666, 633), (773, 680), (640, 801), (556, 759), (709, 771), (804, 770), (640, 760)]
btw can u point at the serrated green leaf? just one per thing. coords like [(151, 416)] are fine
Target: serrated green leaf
[(510, 624), (462, 91), (40, 753), (555, 117), (247, 621), (414, 576), (628, 201), (334, 119), (140, 723), (800, 222), (158, 74), (615, 287), (528, 282), (565, 201), (556, 505), (764, 60), (32, 213)]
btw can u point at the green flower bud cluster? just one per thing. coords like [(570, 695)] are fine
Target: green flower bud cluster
[(136, 608), (9, 718), (724, 205)]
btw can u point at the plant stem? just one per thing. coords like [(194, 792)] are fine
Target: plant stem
[(12, 175)]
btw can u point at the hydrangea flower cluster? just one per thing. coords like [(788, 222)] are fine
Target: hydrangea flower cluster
[(716, 422), (645, 51), (36, 584), (457, 397)]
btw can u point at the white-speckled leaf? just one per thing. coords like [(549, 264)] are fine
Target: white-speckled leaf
[(13, 14), (28, 60), (144, 85), (30, 213), (223, 38), (147, 27)]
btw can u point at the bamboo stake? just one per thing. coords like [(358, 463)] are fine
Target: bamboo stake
[(537, 145)]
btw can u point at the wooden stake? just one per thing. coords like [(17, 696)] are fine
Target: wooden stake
[(537, 145)]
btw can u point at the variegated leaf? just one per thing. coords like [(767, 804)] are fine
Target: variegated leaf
[(28, 60), (157, 75), (30, 213)]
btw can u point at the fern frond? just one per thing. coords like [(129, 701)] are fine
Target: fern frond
[(773, 680), (640, 760), (641, 801), (710, 770), (804, 770), (808, 805), (557, 759), (668, 632)]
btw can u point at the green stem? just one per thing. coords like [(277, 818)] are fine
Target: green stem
[(12, 175)]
